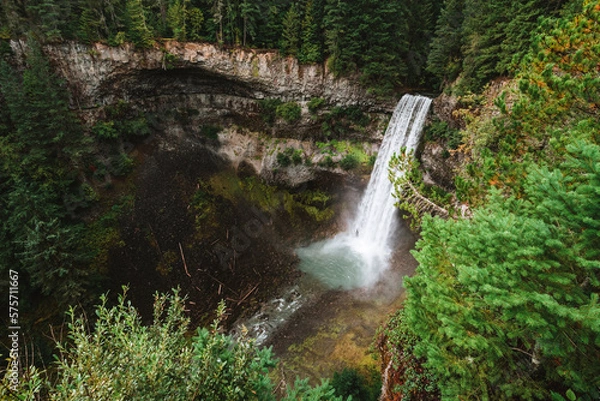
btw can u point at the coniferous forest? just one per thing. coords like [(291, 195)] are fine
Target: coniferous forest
[(504, 304)]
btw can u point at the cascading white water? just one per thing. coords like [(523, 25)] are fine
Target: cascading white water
[(357, 257)]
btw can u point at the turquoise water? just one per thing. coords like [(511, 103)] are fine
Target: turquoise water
[(343, 262)]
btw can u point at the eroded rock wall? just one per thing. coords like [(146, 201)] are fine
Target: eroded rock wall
[(98, 73)]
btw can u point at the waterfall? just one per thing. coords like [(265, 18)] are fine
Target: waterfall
[(358, 257), (374, 222)]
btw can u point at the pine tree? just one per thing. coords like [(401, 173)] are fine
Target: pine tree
[(138, 31), (445, 57), (177, 15), (310, 49), (196, 20), (218, 10), (41, 148), (249, 11), (504, 304), (290, 40)]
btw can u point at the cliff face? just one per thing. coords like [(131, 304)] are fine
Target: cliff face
[(98, 74)]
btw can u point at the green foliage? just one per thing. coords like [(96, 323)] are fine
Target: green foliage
[(290, 39), (283, 159), (289, 156), (482, 40), (105, 130), (349, 162), (351, 382), (177, 16), (224, 369), (342, 120), (120, 358), (311, 47), (440, 130), (314, 203), (555, 102), (303, 391), (505, 305), (289, 111), (195, 19), (268, 108), (210, 131), (445, 58), (42, 146), (327, 162), (138, 31), (418, 382), (415, 198), (315, 104)]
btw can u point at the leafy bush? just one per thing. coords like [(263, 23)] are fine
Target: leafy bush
[(440, 130), (417, 381), (297, 156), (371, 161), (210, 131), (342, 119), (315, 104), (122, 359), (289, 156), (105, 130), (290, 111), (350, 382), (327, 162), (121, 165), (268, 108), (283, 159), (349, 162)]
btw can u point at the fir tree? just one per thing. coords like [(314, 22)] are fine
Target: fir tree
[(290, 40), (310, 49), (138, 31), (177, 14), (445, 58), (196, 20)]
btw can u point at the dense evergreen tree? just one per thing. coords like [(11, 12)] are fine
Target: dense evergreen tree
[(290, 39), (42, 147), (138, 31), (249, 12), (505, 304), (311, 46), (445, 58), (177, 18)]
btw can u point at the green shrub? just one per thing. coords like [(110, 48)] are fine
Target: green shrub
[(268, 108), (135, 127), (342, 119), (372, 160), (122, 359), (210, 131), (297, 156), (327, 162), (349, 162), (121, 165), (350, 382), (289, 111), (289, 156), (105, 130), (440, 130), (283, 159), (315, 104)]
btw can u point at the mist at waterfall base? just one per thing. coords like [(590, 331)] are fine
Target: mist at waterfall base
[(359, 256)]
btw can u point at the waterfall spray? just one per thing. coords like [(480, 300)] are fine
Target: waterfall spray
[(359, 256)]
